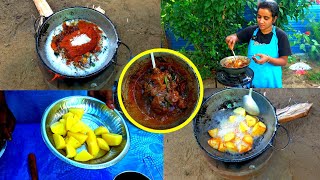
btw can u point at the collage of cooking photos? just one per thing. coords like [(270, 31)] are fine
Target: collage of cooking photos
[(160, 89)]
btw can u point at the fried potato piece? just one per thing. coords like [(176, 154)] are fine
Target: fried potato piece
[(231, 147), (251, 121), (214, 142), (243, 127), (258, 129), (247, 139), (229, 137), (213, 132), (240, 111), (232, 119)]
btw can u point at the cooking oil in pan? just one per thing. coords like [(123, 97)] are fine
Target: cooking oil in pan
[(59, 64)]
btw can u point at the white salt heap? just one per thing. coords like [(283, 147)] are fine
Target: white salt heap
[(79, 40)]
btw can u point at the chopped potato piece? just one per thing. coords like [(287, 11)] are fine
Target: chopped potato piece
[(229, 137), (244, 148), (71, 151), (70, 121), (222, 148), (63, 121), (78, 136), (213, 132), (112, 139), (78, 127), (240, 111), (58, 128), (103, 144), (79, 112), (101, 130), (248, 139), (92, 143), (214, 142), (59, 141), (69, 114), (243, 127), (232, 119), (231, 147), (83, 156), (70, 140), (251, 121), (258, 129)]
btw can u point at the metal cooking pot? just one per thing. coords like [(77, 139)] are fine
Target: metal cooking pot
[(56, 19), (219, 106), (234, 71)]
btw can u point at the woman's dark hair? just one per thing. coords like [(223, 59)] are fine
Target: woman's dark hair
[(271, 5)]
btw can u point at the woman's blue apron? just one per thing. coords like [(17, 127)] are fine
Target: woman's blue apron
[(266, 75)]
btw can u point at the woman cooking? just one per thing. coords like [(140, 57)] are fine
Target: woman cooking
[(268, 46)]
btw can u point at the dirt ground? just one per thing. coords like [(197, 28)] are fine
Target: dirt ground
[(184, 159), (137, 23)]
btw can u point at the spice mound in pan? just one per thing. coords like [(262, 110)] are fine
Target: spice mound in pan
[(78, 42), (162, 96), (237, 133)]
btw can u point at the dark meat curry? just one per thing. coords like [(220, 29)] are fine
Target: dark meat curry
[(161, 96)]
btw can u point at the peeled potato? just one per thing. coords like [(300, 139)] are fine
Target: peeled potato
[(243, 127), (85, 129), (58, 128), (83, 156), (72, 142), (214, 142), (248, 139), (71, 151), (251, 121), (92, 143), (69, 114), (63, 121), (240, 111), (103, 144), (59, 141), (70, 121), (213, 132), (78, 136), (77, 111), (101, 130), (258, 129), (229, 137), (112, 139), (78, 127)]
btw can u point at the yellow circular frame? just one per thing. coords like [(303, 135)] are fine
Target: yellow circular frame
[(161, 50)]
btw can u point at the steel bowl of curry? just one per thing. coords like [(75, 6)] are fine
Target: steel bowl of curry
[(161, 99), (235, 64)]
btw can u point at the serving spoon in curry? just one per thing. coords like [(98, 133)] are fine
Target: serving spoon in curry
[(250, 105)]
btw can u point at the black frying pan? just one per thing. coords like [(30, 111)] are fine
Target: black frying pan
[(52, 20), (219, 106)]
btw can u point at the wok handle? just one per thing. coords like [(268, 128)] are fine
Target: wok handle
[(288, 136), (130, 52), (43, 8)]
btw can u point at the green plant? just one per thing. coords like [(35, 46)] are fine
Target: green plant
[(314, 76), (309, 40), (292, 59), (206, 23)]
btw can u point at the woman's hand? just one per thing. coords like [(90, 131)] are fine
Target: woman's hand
[(105, 96), (231, 40), (263, 58), (7, 120)]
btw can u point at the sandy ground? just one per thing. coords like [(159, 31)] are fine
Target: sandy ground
[(137, 23), (300, 160)]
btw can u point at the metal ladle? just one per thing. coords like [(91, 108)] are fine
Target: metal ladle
[(250, 105), (233, 54), (153, 61)]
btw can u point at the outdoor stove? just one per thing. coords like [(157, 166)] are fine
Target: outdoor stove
[(242, 170), (243, 80)]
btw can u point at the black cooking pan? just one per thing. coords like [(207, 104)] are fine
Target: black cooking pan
[(219, 106), (53, 20), (234, 71)]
